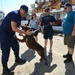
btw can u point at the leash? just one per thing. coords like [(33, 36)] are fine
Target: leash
[(39, 28), (45, 25), (36, 30)]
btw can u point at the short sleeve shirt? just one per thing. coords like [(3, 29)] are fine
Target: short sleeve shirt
[(46, 21), (33, 23), (5, 28), (68, 22)]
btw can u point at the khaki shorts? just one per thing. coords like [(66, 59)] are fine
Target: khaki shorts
[(69, 41)]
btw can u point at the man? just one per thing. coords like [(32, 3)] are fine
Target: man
[(7, 31), (69, 31), (47, 21)]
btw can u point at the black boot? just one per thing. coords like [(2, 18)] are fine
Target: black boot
[(69, 59), (66, 56), (6, 71), (19, 60)]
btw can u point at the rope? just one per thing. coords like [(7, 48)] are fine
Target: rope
[(39, 28)]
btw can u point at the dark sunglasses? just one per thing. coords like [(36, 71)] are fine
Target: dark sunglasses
[(65, 8)]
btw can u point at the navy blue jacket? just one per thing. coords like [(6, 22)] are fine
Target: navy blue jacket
[(6, 32)]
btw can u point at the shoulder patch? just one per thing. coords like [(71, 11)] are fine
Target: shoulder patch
[(16, 12)]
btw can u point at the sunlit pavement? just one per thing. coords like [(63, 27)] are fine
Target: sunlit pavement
[(33, 66)]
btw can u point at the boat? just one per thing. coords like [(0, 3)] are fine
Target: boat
[(56, 9), (2, 15)]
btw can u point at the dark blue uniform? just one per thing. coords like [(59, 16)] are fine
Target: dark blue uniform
[(48, 30), (7, 36)]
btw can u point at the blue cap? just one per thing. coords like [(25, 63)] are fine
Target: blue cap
[(25, 8)]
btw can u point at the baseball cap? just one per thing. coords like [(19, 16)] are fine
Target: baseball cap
[(68, 4), (25, 8)]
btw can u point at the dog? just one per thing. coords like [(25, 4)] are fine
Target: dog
[(32, 44)]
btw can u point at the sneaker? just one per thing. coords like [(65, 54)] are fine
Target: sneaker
[(65, 56), (68, 60), (6, 71), (50, 50), (19, 60)]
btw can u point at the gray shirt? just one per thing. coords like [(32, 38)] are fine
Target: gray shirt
[(33, 23)]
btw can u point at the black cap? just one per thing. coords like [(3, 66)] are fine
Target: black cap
[(68, 4), (25, 8), (47, 9)]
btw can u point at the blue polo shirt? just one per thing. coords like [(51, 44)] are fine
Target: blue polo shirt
[(68, 22), (6, 32)]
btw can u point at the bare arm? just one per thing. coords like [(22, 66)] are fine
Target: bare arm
[(15, 29), (38, 23), (73, 32)]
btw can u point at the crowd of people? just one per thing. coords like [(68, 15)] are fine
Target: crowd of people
[(12, 21)]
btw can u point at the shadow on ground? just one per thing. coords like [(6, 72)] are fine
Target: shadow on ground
[(14, 66), (41, 68), (28, 55), (70, 68)]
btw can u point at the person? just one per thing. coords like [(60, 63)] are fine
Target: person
[(69, 31), (8, 28), (47, 21), (34, 24)]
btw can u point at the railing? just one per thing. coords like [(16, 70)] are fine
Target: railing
[(53, 4)]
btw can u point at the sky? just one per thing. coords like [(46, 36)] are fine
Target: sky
[(8, 5)]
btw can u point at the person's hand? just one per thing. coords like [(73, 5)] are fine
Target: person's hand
[(51, 23), (73, 33), (41, 29)]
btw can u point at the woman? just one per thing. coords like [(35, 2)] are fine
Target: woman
[(34, 24)]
